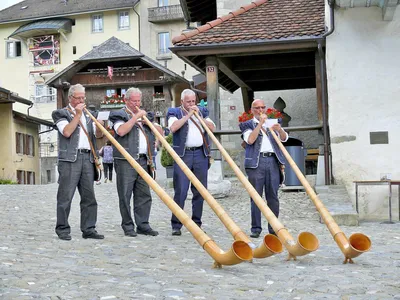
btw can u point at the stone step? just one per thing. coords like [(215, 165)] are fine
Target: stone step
[(336, 200)]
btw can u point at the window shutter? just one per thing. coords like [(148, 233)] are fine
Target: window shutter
[(17, 142), (25, 139), (33, 145)]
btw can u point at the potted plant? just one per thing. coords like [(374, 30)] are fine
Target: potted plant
[(166, 159)]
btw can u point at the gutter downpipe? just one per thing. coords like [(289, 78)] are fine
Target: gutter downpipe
[(240, 250), (325, 129), (138, 24), (30, 106)]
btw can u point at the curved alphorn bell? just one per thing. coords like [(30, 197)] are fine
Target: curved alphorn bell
[(357, 244), (239, 252), (306, 242), (271, 244)]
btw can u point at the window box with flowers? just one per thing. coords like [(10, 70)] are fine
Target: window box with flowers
[(158, 96), (114, 101)]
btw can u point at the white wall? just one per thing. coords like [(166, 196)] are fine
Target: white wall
[(363, 66)]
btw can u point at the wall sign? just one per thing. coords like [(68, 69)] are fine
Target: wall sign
[(210, 69)]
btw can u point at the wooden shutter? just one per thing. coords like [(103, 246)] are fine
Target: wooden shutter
[(25, 139), (17, 145), (33, 147)]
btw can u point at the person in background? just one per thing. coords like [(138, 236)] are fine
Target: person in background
[(106, 152)]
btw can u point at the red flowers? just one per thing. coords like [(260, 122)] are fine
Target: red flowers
[(271, 113), (245, 116)]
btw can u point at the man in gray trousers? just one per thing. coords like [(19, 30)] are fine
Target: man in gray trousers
[(138, 139), (75, 165)]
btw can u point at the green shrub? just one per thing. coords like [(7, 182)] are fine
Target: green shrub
[(7, 181), (166, 158)]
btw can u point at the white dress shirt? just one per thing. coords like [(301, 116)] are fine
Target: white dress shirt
[(194, 137), (265, 144), (142, 139), (83, 140)]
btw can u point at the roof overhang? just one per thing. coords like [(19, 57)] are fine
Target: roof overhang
[(30, 119), (42, 27), (199, 11), (233, 58), (7, 96)]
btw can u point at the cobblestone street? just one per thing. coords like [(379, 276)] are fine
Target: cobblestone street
[(35, 264)]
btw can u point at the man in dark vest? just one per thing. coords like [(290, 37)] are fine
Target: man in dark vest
[(75, 165), (190, 141), (262, 162), (138, 139)]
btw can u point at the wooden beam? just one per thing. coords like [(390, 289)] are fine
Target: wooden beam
[(225, 66), (268, 62)]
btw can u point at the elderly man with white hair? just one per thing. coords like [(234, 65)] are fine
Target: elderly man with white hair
[(190, 141), (263, 160), (76, 133)]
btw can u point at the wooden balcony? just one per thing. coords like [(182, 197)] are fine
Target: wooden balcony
[(165, 14)]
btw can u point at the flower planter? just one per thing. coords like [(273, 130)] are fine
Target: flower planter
[(112, 105), (170, 171)]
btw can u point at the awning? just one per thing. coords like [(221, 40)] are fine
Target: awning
[(43, 27)]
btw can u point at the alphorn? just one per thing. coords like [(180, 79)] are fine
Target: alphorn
[(306, 242), (271, 244), (239, 252), (357, 244)]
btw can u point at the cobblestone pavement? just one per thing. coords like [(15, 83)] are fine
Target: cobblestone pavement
[(35, 264)]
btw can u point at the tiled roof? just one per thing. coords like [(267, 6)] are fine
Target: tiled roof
[(261, 20), (35, 9), (112, 48)]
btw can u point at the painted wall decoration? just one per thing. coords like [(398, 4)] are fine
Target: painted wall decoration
[(45, 50)]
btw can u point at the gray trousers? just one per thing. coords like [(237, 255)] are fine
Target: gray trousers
[(264, 177), (72, 175), (129, 182)]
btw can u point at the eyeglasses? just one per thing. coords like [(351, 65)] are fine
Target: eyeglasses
[(259, 107), (79, 98)]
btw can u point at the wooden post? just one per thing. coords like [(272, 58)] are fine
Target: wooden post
[(213, 104)]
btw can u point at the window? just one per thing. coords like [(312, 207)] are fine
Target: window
[(97, 23), (30, 145), (20, 143), (30, 177), (163, 43), (25, 144), (162, 3), (44, 93), (21, 177), (48, 172), (123, 20), (13, 49)]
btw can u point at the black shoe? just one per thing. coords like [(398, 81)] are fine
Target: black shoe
[(148, 232), (64, 236), (176, 232), (255, 234), (93, 235), (131, 233)]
